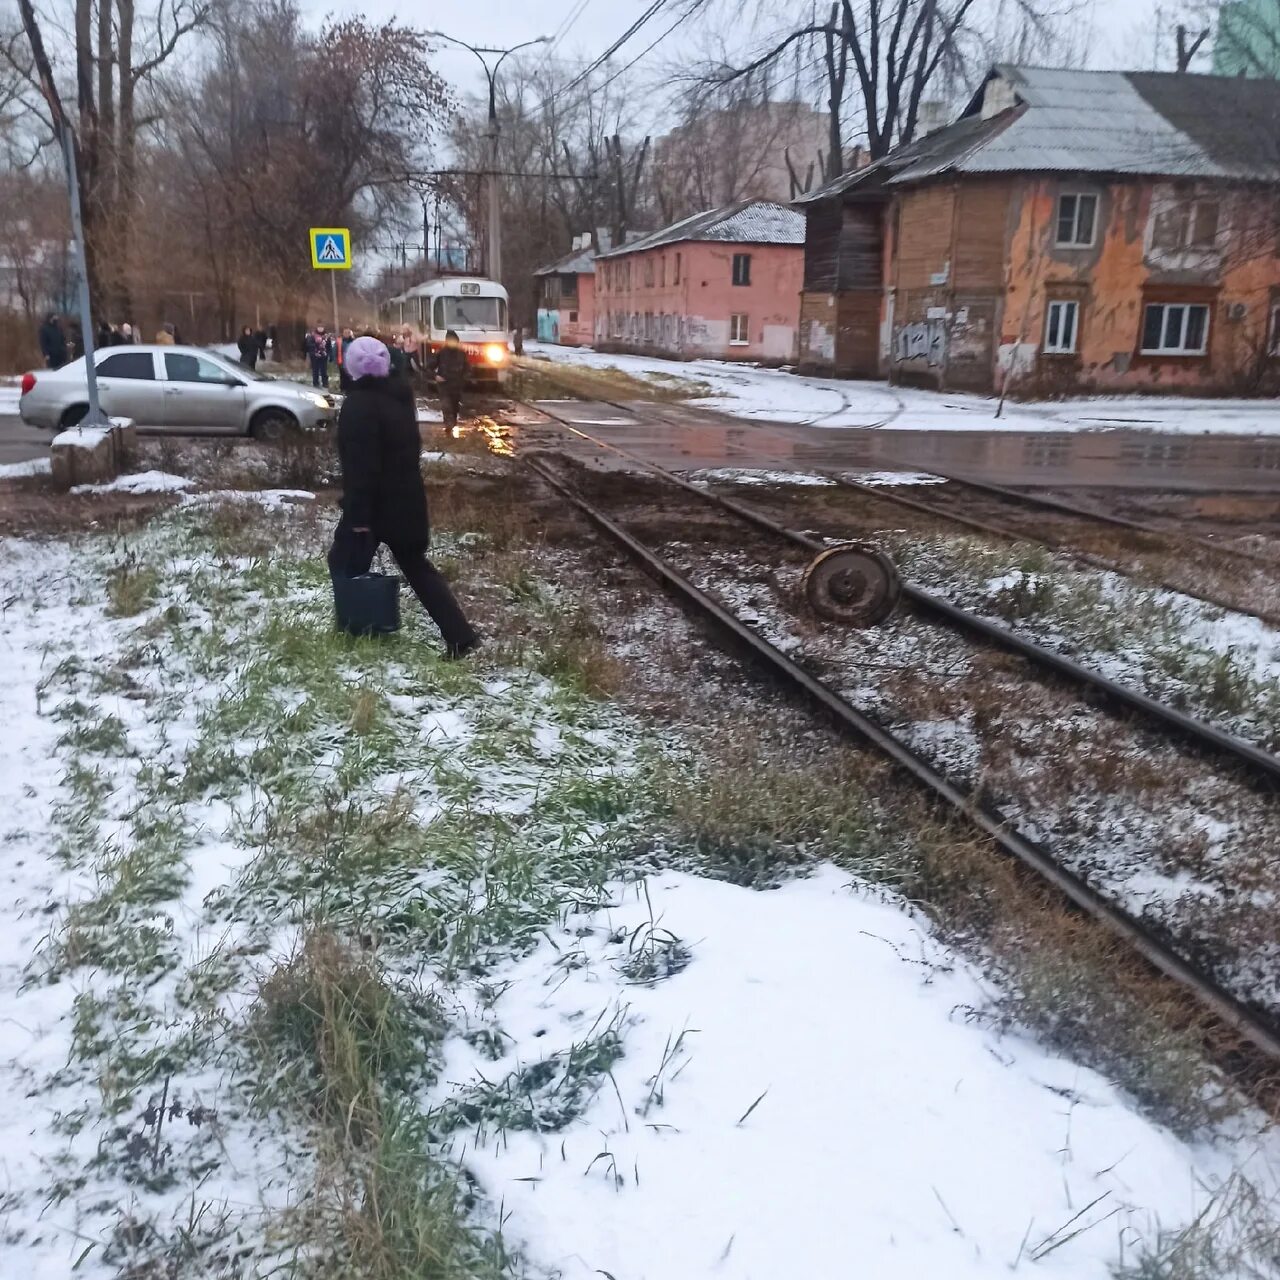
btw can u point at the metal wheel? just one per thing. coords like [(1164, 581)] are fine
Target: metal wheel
[(853, 584)]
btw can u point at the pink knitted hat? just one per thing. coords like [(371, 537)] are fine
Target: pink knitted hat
[(365, 357)]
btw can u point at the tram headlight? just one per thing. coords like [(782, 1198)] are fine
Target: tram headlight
[(495, 353)]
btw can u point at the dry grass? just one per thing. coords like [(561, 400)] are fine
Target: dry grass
[(348, 1051), (131, 588), (764, 804), (540, 380)]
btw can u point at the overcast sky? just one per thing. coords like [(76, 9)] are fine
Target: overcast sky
[(1114, 34)]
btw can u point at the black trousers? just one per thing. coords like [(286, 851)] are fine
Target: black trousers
[(319, 371), (352, 553), (450, 403)]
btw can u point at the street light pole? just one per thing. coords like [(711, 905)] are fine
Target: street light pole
[(493, 252)]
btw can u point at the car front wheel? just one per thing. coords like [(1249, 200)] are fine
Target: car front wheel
[(72, 416), (270, 426)]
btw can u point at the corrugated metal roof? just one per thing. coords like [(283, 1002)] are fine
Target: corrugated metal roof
[(577, 262), (1158, 124), (747, 222), (1078, 121)]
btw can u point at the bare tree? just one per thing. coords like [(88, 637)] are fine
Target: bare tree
[(893, 56), (288, 129), (570, 164), (116, 53)]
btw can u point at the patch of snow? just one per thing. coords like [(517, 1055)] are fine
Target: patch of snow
[(81, 437), (9, 397), (806, 1094), (897, 478), (272, 499), (439, 455), (776, 395), (31, 467), (746, 475), (141, 482), (427, 414)]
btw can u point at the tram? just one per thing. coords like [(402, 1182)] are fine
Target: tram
[(476, 309)]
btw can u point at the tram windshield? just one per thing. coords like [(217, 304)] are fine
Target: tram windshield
[(470, 313)]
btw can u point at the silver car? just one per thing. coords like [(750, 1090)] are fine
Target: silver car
[(185, 389)]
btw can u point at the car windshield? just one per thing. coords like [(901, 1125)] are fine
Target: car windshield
[(471, 313)]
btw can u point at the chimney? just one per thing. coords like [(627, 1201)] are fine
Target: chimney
[(604, 239), (931, 117)]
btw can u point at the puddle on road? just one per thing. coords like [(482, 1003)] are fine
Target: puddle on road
[(684, 437)]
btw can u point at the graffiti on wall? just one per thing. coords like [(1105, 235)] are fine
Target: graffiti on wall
[(924, 340), (548, 325)]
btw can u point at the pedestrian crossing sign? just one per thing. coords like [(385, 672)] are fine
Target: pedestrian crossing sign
[(331, 248)]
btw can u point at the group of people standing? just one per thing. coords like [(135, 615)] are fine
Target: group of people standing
[(408, 358), (58, 346)]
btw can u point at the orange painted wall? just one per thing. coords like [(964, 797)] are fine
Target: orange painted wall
[(1113, 279)]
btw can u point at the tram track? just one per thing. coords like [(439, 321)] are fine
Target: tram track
[(1154, 943), (1065, 546)]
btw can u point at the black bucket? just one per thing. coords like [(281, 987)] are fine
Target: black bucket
[(368, 604)]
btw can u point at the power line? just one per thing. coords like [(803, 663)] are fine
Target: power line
[(615, 46)]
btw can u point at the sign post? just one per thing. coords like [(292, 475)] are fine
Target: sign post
[(331, 251)]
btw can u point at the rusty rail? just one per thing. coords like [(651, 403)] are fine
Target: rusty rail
[(1247, 1022), (1105, 517), (1260, 764), (1086, 558)]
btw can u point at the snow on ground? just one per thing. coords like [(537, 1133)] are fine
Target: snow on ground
[(892, 478), (806, 1094), (9, 396), (140, 482), (78, 1152), (776, 395), (807, 1098), (745, 475), (21, 470)]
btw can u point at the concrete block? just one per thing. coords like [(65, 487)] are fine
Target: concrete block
[(92, 455), (125, 434)]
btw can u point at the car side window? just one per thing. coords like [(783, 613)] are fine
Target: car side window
[(181, 367), (128, 364)]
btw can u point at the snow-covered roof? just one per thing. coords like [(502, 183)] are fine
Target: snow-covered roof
[(746, 222), (577, 262)]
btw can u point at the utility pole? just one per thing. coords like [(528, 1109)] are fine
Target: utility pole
[(493, 255), (66, 136)]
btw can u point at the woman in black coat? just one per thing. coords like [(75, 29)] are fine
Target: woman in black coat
[(248, 347), (383, 500)]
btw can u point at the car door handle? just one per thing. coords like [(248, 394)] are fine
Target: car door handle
[(172, 391)]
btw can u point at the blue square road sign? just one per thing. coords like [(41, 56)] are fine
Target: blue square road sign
[(330, 248)]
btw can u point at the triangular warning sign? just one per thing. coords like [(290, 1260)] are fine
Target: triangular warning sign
[(331, 251)]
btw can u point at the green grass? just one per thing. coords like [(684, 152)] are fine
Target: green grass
[(416, 825)]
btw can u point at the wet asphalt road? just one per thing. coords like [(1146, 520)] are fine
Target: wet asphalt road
[(18, 442)]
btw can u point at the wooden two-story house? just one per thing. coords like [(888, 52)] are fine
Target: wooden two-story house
[(1071, 231)]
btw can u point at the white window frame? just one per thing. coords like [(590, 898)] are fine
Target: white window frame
[(1061, 306), (1075, 242), (743, 259), (1181, 349), (744, 329)]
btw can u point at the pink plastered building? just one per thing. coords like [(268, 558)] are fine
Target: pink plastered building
[(566, 297), (723, 284)]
